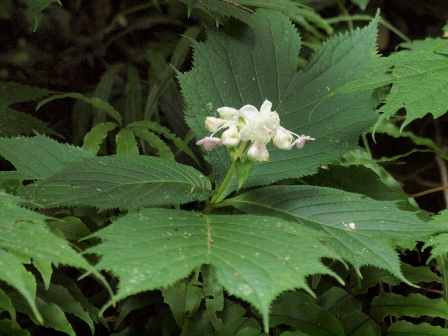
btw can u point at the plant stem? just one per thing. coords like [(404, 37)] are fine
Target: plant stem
[(209, 204)]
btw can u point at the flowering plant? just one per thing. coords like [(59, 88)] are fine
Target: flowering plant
[(249, 124)]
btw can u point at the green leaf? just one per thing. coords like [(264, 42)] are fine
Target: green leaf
[(6, 304), (24, 233), (96, 136), (156, 127), (62, 298), (404, 328), (363, 231), (222, 8), (14, 273), (304, 316), (129, 182), (243, 169), (392, 130), (38, 157), (11, 329), (439, 243), (36, 6), (413, 305), (359, 324), (163, 150), (261, 63), (12, 122), (338, 302), (53, 316), (254, 258), (96, 102), (184, 299), (424, 67), (126, 144)]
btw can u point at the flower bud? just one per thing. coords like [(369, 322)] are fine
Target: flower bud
[(213, 124), (231, 137), (209, 142), (227, 113), (258, 152), (300, 141), (283, 138)]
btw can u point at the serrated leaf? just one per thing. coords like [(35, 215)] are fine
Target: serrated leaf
[(359, 324), (37, 157), (261, 63), (53, 316), (14, 273), (413, 305), (12, 329), (12, 122), (153, 140), (62, 298), (439, 243), (96, 136), (255, 258), (404, 328), (126, 144), (305, 317), (363, 231), (96, 102), (23, 232), (129, 182), (6, 305), (423, 69), (156, 127)]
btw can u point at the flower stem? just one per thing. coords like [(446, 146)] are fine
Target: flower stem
[(209, 204)]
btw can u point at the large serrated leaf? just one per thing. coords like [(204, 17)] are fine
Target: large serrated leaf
[(255, 258), (129, 182), (251, 65), (363, 231), (37, 157), (23, 232), (414, 305)]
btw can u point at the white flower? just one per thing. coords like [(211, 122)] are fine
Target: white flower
[(261, 125), (228, 113), (283, 138), (300, 141), (209, 142), (231, 137), (249, 124), (213, 124), (258, 152)]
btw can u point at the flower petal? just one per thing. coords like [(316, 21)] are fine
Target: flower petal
[(300, 141), (248, 112), (266, 107)]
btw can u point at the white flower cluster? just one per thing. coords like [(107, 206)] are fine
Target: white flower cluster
[(248, 123)]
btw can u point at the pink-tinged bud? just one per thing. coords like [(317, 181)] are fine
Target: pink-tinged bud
[(283, 138), (213, 124), (209, 142), (227, 113), (231, 137), (300, 141), (258, 152)]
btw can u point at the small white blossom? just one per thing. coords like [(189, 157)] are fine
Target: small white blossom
[(300, 141), (250, 124), (283, 138), (209, 142), (213, 124), (231, 137), (228, 113), (258, 152)]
